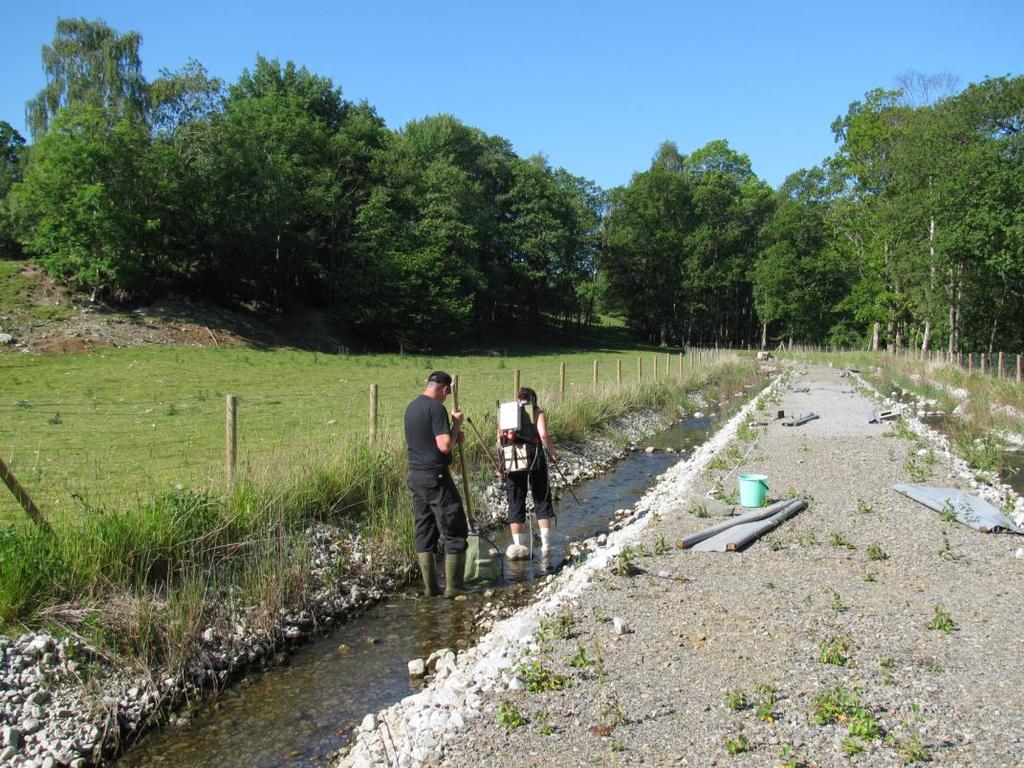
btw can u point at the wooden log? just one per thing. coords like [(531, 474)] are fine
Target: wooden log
[(230, 438), (22, 496)]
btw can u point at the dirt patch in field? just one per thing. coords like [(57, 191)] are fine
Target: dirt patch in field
[(45, 318)]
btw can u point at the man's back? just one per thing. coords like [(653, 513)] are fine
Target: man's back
[(425, 418)]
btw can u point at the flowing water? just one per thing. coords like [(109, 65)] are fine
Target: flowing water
[(299, 714)]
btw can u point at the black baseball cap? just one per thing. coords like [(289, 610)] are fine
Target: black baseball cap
[(440, 377)]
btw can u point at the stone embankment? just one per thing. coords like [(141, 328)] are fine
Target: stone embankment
[(63, 703), (867, 630)]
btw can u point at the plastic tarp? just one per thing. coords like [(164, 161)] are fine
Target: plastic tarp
[(972, 511)]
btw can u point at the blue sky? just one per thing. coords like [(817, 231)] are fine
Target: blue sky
[(595, 86)]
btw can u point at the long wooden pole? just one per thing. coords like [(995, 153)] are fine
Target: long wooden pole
[(373, 413), (462, 458), (22, 496), (230, 438)]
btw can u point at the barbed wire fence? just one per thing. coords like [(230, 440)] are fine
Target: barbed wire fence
[(81, 456)]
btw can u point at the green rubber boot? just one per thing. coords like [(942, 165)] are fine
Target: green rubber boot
[(428, 570), (454, 570)]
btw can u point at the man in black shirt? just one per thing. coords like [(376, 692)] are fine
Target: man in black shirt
[(437, 505)]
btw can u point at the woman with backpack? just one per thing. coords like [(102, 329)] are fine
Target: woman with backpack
[(524, 466)]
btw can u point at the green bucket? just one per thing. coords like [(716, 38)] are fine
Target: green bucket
[(753, 489)]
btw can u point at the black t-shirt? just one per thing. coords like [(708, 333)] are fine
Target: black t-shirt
[(425, 418)]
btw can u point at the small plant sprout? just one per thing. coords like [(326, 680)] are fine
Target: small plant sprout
[(946, 552), (875, 552), (737, 746), (624, 562), (509, 716), (736, 701), (579, 659), (863, 507), (807, 539), (537, 678), (661, 545), (942, 621), (839, 541), (837, 599), (765, 708), (835, 651)]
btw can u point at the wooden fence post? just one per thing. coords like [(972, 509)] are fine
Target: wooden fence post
[(515, 383), (22, 496), (594, 386), (984, 363), (680, 366), (230, 438), (561, 382), (373, 413), (970, 362), (618, 372), (654, 375), (999, 372), (639, 369)]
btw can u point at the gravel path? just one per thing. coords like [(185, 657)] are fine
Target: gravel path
[(721, 659)]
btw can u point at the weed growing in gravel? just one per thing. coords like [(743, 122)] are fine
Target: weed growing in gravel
[(717, 463), (837, 599), (765, 709), (870, 577), (624, 565), (700, 511), (736, 701), (661, 545), (911, 750), (597, 612), (737, 746), (838, 540), (579, 659), (863, 507), (946, 552), (787, 759), (835, 650), (745, 432), (612, 712), (942, 621), (875, 552), (775, 544), (852, 747), (837, 705), (886, 662), (562, 627), (509, 716), (807, 539), (537, 678), (900, 429), (546, 729), (948, 513), (916, 472)]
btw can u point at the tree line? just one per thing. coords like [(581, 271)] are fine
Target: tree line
[(275, 190)]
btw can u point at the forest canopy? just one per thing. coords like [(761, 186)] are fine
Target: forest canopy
[(276, 191)]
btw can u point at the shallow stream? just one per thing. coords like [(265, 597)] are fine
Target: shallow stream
[(301, 713)]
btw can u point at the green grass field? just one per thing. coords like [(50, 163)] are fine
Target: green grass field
[(112, 428)]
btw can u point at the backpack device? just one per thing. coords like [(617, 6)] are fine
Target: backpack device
[(516, 453)]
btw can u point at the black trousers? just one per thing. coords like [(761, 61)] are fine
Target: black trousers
[(437, 510), (536, 479)]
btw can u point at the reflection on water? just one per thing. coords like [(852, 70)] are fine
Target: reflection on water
[(297, 715)]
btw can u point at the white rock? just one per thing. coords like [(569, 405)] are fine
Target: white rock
[(457, 721), (417, 668), (515, 684), (1020, 553), (619, 625), (649, 449)]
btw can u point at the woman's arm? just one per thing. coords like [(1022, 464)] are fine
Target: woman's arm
[(545, 436)]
